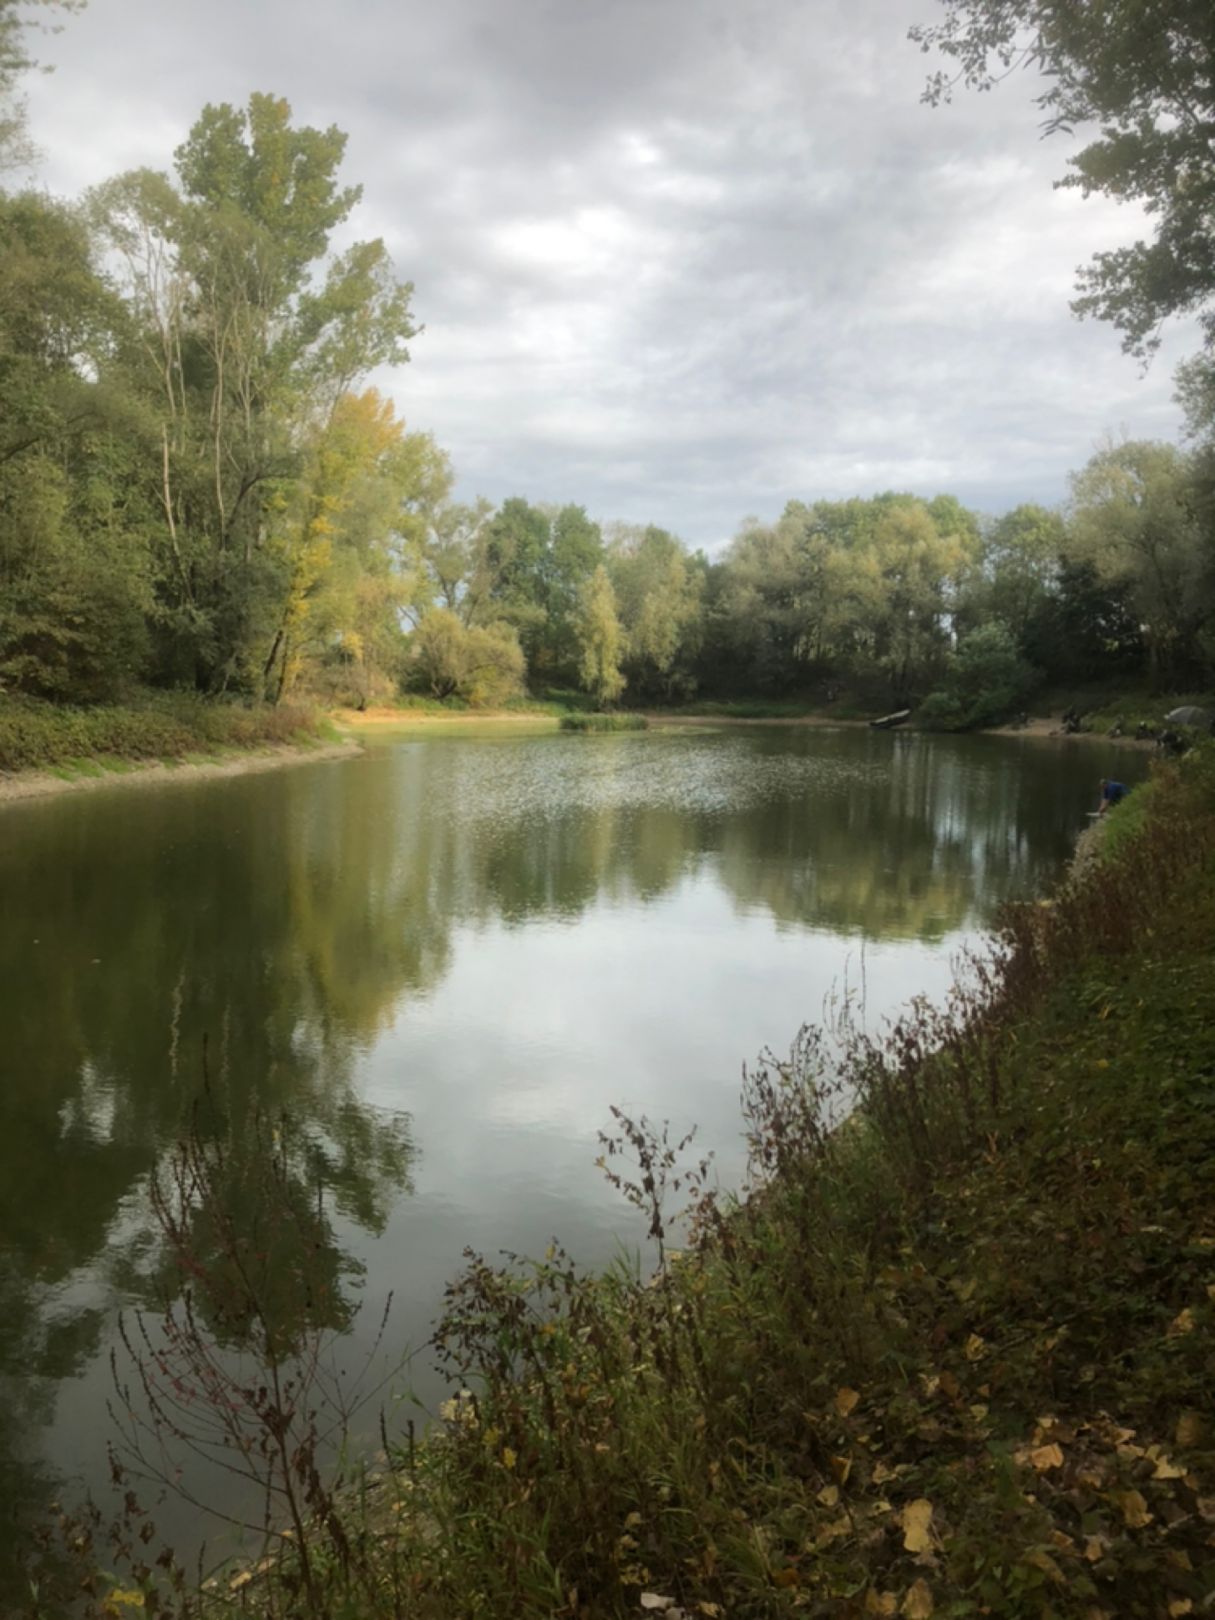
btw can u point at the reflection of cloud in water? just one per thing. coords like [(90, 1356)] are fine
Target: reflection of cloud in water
[(498, 938)]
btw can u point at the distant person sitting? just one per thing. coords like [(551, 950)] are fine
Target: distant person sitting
[(1111, 793)]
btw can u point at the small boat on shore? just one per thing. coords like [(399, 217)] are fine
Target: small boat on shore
[(889, 721)]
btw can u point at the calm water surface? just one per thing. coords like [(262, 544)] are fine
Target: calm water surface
[(442, 962)]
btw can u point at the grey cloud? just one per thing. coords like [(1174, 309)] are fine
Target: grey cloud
[(678, 260)]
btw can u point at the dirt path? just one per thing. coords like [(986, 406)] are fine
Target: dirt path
[(20, 785), (1052, 726)]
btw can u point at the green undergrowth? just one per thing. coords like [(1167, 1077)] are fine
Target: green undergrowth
[(80, 742), (954, 1356), (604, 722)]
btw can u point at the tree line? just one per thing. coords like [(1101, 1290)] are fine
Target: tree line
[(199, 489)]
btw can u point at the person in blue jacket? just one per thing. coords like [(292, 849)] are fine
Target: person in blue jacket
[(1111, 793)]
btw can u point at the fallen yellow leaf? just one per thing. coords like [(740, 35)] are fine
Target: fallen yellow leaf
[(1181, 1606), (845, 1401), (1039, 1558), (1189, 1429), (1183, 1322), (1167, 1470), (841, 1467), (829, 1495), (833, 1532), (1044, 1457), (974, 1347), (1094, 1549), (881, 1603), (1134, 1509), (918, 1604), (917, 1517)]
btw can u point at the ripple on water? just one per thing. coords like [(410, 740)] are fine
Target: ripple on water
[(707, 775)]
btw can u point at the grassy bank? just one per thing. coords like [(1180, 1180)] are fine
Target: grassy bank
[(169, 726), (954, 1358), (603, 722)]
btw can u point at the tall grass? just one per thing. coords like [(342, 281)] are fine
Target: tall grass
[(603, 722), (35, 734)]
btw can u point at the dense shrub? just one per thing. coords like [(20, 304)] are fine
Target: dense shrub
[(603, 722), (985, 682), (34, 734)]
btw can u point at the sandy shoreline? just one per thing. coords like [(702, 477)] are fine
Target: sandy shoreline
[(16, 787)]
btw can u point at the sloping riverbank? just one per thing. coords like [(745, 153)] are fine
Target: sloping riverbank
[(89, 774), (46, 749), (952, 1359)]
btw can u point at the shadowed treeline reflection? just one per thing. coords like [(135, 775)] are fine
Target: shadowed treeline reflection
[(290, 923)]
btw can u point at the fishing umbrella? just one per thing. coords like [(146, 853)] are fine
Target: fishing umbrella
[(1189, 714)]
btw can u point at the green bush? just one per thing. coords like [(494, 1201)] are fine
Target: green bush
[(159, 726), (603, 722), (985, 682)]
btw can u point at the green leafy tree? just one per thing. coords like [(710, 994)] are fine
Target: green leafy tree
[(74, 532), (248, 334), (986, 680), (658, 601), (916, 568), (17, 19), (774, 601), (1142, 73), (575, 553), (482, 664), (516, 557), (600, 641), (1018, 570), (1134, 521)]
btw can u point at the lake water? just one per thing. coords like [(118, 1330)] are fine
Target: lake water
[(436, 966)]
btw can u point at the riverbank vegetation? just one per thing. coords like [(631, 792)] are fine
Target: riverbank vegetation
[(603, 722), (950, 1356), (165, 726)]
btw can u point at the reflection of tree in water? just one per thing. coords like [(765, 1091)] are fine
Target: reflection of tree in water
[(288, 918), (921, 852), (136, 928), (41, 1342)]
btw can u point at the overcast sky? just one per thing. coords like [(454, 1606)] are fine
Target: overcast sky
[(679, 261)]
